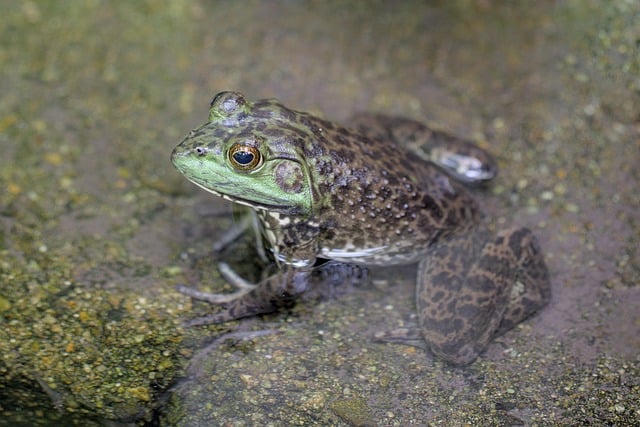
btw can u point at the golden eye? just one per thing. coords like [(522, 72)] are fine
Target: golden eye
[(244, 157)]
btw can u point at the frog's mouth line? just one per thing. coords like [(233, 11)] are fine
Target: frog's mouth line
[(246, 202)]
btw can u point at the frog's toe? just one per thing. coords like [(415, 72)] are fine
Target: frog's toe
[(211, 319), (232, 278), (408, 336), (454, 352), (209, 297)]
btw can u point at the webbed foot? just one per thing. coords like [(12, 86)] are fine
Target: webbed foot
[(231, 276)]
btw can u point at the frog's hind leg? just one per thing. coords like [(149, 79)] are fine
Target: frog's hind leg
[(531, 289), (475, 287), (463, 159)]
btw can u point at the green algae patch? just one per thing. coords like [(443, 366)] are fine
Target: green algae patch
[(5, 304), (63, 347), (355, 411)]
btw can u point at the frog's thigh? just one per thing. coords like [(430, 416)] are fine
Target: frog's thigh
[(465, 291)]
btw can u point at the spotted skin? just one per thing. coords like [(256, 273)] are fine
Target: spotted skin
[(477, 286), (384, 191)]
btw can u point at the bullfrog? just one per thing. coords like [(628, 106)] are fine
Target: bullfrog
[(381, 191)]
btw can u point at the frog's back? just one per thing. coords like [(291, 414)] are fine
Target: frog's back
[(385, 202)]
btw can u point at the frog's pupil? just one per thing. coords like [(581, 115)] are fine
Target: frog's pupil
[(243, 157)]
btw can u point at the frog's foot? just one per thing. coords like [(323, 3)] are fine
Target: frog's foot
[(410, 335), (246, 221), (232, 234), (232, 277)]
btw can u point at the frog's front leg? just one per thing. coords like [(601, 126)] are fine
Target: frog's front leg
[(276, 292), (470, 290), (242, 286), (271, 294)]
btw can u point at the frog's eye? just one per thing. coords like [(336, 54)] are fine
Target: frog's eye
[(244, 157), (227, 103), (216, 98)]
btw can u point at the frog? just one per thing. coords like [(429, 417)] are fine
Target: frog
[(381, 191)]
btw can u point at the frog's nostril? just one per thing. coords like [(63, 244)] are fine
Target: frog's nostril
[(200, 151)]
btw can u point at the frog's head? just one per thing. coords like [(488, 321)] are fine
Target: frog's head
[(249, 154)]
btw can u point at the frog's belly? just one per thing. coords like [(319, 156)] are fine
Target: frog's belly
[(381, 255)]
